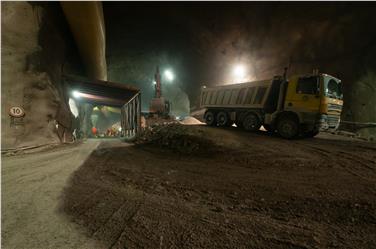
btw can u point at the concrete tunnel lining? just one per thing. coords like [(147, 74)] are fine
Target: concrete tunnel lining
[(99, 92), (87, 26)]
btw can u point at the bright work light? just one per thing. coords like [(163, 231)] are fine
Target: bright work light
[(76, 94), (239, 71), (169, 75)]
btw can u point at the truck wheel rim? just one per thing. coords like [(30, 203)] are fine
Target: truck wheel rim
[(250, 122), (222, 120)]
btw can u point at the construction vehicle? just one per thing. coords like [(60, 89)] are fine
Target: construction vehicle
[(301, 105), (159, 105)]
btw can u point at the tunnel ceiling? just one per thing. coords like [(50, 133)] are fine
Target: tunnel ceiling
[(202, 40)]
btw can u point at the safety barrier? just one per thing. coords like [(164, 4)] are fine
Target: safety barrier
[(131, 117)]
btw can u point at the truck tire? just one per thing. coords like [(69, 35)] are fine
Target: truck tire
[(251, 122), (209, 117), (288, 127), (223, 119)]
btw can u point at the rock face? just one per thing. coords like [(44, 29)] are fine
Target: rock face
[(361, 107), (36, 46)]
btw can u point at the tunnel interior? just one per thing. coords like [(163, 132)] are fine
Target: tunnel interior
[(238, 160), (198, 42), (98, 105), (106, 122)]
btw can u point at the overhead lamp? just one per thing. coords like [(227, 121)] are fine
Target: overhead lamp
[(239, 71), (169, 75), (76, 94)]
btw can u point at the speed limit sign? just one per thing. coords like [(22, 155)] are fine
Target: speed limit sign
[(16, 112)]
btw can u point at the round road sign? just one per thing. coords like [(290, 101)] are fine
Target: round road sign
[(16, 112)]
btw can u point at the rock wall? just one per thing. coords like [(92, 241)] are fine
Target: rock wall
[(36, 49), (360, 108)]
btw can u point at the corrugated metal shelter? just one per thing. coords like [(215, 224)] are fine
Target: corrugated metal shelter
[(99, 92)]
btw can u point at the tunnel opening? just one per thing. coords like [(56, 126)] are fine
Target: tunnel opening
[(106, 122), (103, 109)]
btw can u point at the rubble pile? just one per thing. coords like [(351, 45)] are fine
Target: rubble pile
[(177, 138)]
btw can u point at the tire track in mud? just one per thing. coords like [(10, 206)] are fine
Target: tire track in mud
[(127, 219), (356, 165)]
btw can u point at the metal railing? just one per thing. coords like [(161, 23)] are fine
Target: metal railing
[(131, 117)]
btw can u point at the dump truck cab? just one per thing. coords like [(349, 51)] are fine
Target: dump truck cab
[(315, 101)]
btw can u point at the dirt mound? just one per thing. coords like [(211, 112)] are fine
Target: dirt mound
[(177, 138), (190, 121)]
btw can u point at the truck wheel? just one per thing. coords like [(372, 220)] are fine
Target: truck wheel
[(288, 127), (223, 119), (251, 122), (210, 118)]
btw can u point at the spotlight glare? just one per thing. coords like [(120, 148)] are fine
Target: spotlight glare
[(239, 71), (76, 94), (169, 75)]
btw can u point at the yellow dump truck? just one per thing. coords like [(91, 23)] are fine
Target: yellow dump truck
[(301, 105)]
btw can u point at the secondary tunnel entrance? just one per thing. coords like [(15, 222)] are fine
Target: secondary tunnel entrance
[(104, 109)]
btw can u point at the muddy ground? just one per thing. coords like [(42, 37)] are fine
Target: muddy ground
[(248, 191)]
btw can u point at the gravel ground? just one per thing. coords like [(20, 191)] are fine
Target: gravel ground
[(247, 191)]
